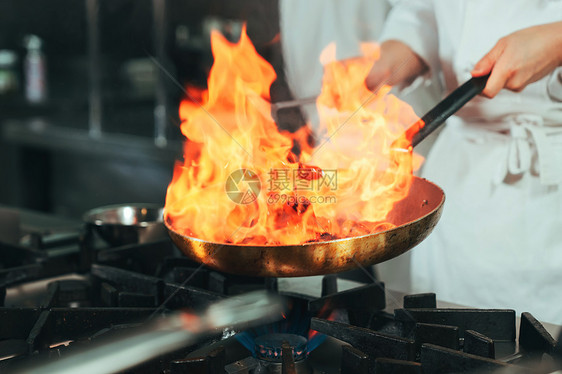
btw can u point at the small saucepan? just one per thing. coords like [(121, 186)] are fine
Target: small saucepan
[(127, 223)]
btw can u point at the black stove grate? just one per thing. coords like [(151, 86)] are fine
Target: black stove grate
[(123, 287)]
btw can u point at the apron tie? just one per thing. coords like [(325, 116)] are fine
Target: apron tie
[(533, 148)]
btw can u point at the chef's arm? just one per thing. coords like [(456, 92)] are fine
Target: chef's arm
[(521, 58), (398, 64), (409, 45)]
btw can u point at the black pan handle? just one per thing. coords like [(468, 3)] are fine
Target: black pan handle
[(446, 108)]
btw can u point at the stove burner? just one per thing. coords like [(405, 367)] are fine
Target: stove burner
[(59, 296), (270, 347)]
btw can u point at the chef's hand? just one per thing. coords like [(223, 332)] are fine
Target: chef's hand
[(397, 64), (521, 58)]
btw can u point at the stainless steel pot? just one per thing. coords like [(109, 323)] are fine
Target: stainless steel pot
[(127, 223)]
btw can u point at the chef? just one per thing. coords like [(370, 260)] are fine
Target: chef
[(499, 160)]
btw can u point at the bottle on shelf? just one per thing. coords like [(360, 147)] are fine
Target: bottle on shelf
[(35, 70)]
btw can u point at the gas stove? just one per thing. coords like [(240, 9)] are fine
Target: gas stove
[(62, 292)]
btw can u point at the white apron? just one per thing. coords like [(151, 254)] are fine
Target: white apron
[(499, 241)]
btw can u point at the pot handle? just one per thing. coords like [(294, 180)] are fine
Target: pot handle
[(446, 108)]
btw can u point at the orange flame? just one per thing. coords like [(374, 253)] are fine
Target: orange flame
[(240, 181)]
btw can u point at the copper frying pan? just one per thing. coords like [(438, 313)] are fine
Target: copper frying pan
[(414, 217)]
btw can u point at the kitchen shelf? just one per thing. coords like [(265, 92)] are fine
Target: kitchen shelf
[(42, 134)]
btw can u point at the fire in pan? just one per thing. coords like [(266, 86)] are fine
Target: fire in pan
[(413, 218)]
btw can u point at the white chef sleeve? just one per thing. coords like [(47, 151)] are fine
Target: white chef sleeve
[(413, 23), (555, 85)]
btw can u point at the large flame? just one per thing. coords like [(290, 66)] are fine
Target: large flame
[(343, 185)]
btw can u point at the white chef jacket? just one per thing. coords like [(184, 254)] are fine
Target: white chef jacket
[(308, 27), (499, 241)]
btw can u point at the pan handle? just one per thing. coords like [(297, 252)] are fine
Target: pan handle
[(446, 108)]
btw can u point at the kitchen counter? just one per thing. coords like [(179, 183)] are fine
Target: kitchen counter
[(23, 221)]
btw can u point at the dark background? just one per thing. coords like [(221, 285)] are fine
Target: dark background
[(48, 159)]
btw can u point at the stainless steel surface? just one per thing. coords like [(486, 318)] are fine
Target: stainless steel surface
[(128, 223), (167, 334), (414, 217), (23, 222), (280, 105), (292, 103)]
